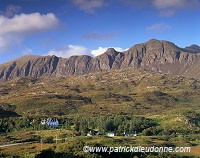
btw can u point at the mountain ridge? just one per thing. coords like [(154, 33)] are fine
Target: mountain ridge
[(154, 55)]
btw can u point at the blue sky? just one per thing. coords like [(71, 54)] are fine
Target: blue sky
[(77, 27)]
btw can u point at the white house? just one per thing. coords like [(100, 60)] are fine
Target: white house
[(89, 134), (93, 133), (50, 122), (111, 134), (43, 122), (130, 134)]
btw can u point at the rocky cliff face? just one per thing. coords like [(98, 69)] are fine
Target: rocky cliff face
[(154, 55)]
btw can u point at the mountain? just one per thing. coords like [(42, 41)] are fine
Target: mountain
[(195, 48), (154, 55)]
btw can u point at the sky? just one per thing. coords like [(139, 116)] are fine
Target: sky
[(88, 27)]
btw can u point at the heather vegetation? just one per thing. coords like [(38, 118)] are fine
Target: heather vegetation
[(162, 110)]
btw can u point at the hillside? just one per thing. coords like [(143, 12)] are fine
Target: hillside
[(127, 91), (162, 108), (154, 55)]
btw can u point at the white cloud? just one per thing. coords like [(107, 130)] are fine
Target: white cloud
[(170, 7), (70, 50), (101, 50), (27, 51), (14, 29), (27, 23), (158, 27), (89, 5)]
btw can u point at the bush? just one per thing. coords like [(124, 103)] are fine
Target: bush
[(48, 140)]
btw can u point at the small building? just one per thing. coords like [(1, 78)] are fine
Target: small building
[(96, 132), (43, 122), (89, 134), (111, 134), (50, 122), (128, 134), (93, 133)]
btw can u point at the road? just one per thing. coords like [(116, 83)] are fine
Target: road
[(23, 143)]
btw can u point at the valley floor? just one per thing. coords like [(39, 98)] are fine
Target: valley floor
[(68, 143)]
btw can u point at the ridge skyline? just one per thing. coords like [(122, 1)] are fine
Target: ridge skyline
[(92, 56), (153, 55)]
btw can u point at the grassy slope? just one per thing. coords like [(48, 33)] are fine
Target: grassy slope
[(123, 91), (170, 100)]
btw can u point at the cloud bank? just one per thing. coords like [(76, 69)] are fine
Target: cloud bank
[(70, 50), (101, 50), (14, 30)]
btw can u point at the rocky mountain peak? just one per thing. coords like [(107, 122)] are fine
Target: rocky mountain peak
[(153, 41), (154, 55), (194, 48), (112, 52)]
